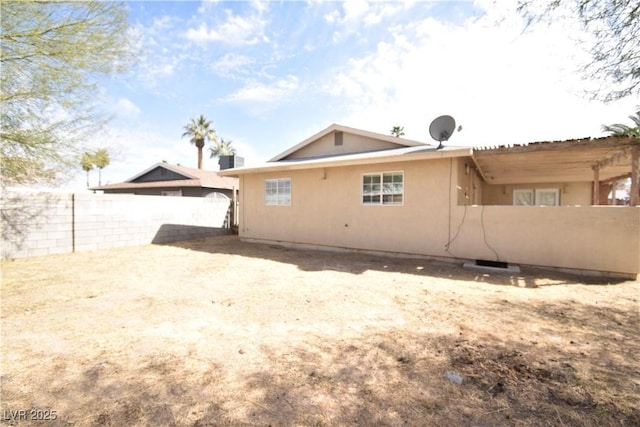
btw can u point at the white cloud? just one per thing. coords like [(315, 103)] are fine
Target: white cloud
[(354, 9), (127, 109), (162, 23), (502, 85), (155, 72), (266, 93), (235, 30), (232, 65), (359, 14), (332, 17), (206, 5)]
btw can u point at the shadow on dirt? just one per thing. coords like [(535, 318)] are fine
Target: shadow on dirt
[(168, 233), (358, 263), (396, 377), (589, 378)]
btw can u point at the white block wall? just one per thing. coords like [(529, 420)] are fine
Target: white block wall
[(49, 223)]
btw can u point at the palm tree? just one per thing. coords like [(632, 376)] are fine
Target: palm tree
[(101, 159), (397, 131), (200, 130), (87, 164), (221, 148), (625, 130)]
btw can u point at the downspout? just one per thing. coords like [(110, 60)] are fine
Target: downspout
[(635, 177), (596, 185)]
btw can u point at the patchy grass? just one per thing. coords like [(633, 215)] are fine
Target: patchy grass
[(219, 332)]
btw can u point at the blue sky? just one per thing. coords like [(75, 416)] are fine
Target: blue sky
[(270, 74)]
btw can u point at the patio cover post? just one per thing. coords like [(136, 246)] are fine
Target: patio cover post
[(596, 185), (635, 176)]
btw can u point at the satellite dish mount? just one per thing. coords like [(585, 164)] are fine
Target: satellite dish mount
[(441, 129)]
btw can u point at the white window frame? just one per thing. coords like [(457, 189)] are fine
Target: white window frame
[(535, 196), (554, 191), (282, 198), (381, 193), (520, 194)]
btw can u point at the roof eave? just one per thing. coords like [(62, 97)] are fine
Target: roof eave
[(165, 166), (332, 162)]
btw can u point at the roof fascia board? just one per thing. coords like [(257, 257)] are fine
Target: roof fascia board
[(323, 163), (179, 170), (304, 143), (162, 165), (339, 128), (571, 144)]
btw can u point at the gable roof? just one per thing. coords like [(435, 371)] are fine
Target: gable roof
[(423, 152), (193, 178), (400, 142), (188, 173)]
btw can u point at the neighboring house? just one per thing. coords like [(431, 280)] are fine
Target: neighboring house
[(164, 179), (349, 189)]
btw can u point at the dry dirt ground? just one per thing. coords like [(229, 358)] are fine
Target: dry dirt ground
[(219, 332)]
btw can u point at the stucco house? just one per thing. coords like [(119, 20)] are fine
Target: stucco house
[(534, 204), (164, 179)]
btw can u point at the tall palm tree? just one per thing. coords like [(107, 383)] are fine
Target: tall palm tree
[(87, 164), (200, 130), (221, 148), (101, 160), (625, 130)]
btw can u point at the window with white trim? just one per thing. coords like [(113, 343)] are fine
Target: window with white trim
[(547, 197), (277, 192), (523, 197), (537, 197), (384, 188)]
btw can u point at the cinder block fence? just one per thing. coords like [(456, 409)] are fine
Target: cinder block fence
[(36, 224)]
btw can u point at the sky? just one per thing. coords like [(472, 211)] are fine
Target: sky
[(269, 74)]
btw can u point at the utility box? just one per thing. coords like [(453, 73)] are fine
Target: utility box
[(228, 162)]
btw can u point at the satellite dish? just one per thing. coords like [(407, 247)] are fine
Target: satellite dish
[(441, 129)]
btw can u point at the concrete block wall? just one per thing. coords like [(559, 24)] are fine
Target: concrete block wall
[(37, 224)]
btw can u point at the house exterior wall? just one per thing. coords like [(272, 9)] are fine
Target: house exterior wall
[(469, 183), (571, 193), (589, 238), (326, 209), (351, 143), (51, 223), (326, 212)]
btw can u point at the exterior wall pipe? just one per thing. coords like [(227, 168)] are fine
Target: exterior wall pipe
[(635, 176)]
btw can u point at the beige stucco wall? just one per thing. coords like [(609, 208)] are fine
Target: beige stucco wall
[(350, 144), (326, 211), (595, 238), (571, 193), (468, 183)]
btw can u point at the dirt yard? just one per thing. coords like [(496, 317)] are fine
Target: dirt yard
[(219, 332)]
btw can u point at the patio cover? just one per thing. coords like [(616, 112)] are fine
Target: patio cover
[(578, 160)]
